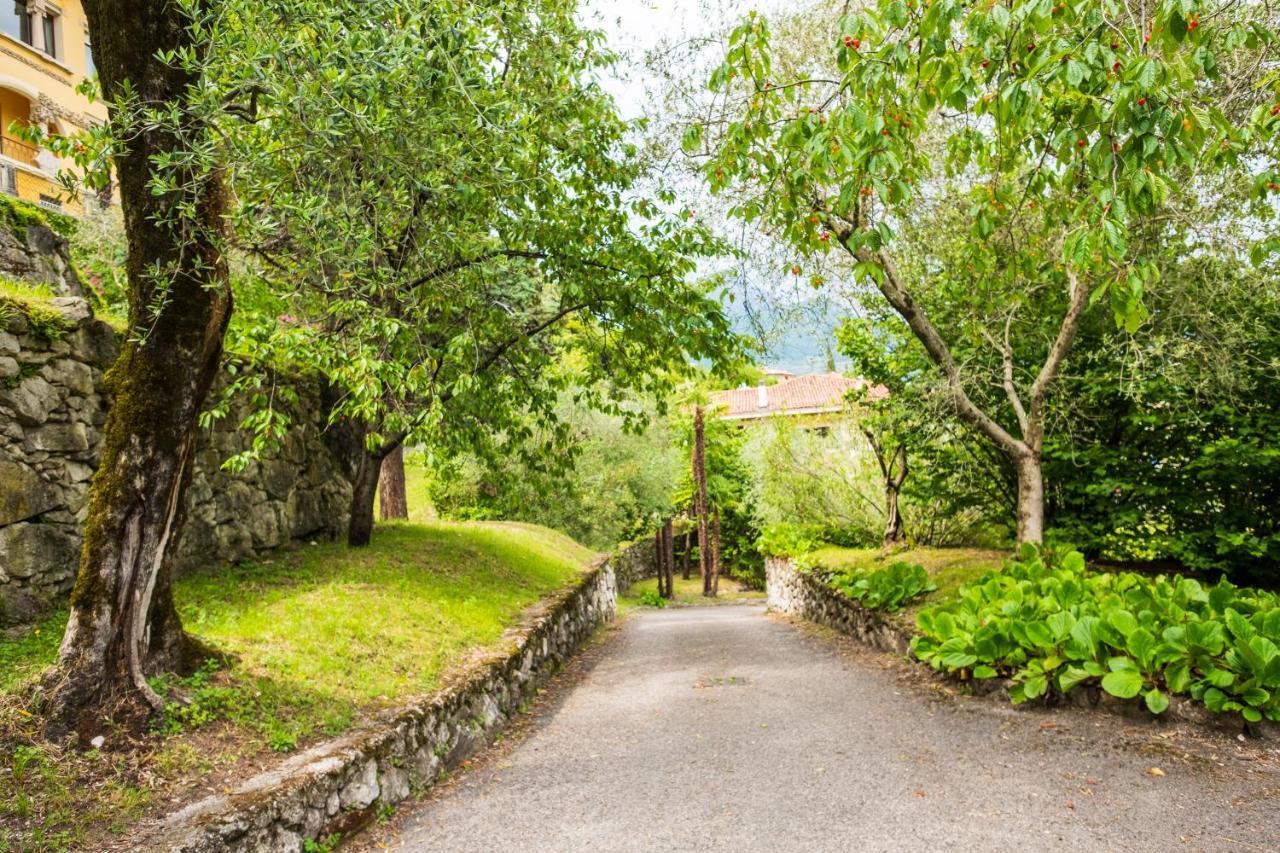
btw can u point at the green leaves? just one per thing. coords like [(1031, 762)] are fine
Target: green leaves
[(1067, 108), (1124, 680), (1053, 626), (886, 589), (449, 211)]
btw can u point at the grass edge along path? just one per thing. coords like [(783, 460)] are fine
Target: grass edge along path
[(319, 638)]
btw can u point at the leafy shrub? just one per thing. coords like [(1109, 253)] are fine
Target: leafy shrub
[(650, 598), (787, 540), (885, 589), (1050, 625)]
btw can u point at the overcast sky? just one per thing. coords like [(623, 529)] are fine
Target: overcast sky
[(636, 26)]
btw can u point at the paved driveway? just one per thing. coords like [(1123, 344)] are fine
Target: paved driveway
[(722, 728)]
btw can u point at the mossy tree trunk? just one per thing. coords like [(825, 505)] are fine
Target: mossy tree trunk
[(393, 503), (122, 611)]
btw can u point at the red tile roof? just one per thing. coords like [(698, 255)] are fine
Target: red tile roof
[(811, 393)]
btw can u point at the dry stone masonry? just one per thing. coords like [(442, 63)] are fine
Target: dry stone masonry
[(803, 593), (340, 785), (634, 562), (52, 407)]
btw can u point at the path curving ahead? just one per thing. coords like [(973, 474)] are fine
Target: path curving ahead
[(723, 728)]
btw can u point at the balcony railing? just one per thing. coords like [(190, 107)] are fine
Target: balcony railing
[(16, 149)]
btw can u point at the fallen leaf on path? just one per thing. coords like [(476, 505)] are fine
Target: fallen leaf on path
[(921, 794), (1154, 771)]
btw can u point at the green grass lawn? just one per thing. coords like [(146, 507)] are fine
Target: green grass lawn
[(949, 567), (688, 592), (317, 637)]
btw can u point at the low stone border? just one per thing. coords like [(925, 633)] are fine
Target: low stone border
[(806, 594), (633, 562), (340, 785), (801, 593)]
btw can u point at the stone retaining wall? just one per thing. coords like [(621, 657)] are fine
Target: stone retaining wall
[(805, 594), (634, 562), (338, 786), (53, 404)]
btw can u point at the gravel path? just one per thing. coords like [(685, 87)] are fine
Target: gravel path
[(722, 728)]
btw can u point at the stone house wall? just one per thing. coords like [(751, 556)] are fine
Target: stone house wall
[(52, 408)]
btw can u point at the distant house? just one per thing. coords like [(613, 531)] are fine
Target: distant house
[(810, 394)]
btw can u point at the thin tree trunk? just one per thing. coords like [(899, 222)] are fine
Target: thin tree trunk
[(1030, 499), (364, 486), (669, 556), (700, 497), (393, 504), (688, 553), (159, 383), (894, 534), (659, 551), (715, 554), (894, 530), (363, 489), (1023, 452)]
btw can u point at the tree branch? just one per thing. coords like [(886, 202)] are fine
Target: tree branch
[(891, 286), (1010, 388), (1057, 354)]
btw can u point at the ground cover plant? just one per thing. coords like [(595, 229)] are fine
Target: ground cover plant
[(948, 568), (1050, 624), (886, 589), (314, 640)]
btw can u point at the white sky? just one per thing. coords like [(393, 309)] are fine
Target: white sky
[(636, 26)]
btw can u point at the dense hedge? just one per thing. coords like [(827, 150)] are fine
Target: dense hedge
[(1050, 624)]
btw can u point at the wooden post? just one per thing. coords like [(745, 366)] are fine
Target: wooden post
[(715, 553), (669, 557), (700, 497), (688, 552), (659, 554)]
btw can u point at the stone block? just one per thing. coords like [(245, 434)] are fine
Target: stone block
[(95, 343), (73, 309), (9, 344), (8, 367), (73, 374), (393, 784), (23, 493), (60, 437), (20, 605), (44, 551), (362, 789), (31, 401)]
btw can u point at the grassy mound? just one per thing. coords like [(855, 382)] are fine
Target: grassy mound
[(320, 637)]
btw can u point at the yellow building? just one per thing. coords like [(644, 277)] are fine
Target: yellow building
[(44, 55)]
